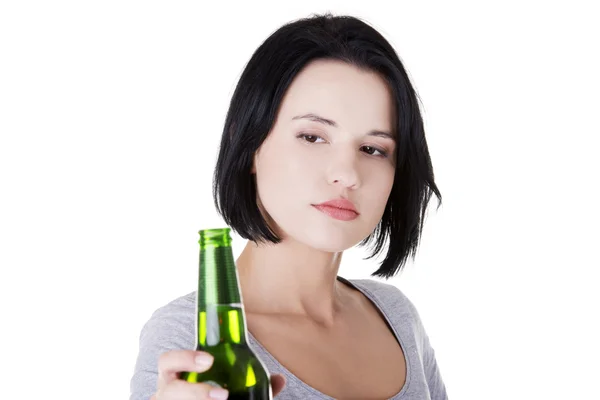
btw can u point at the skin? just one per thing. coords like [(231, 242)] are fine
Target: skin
[(294, 305), (298, 275)]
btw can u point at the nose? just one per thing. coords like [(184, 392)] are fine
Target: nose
[(343, 171)]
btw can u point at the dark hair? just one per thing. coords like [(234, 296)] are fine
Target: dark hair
[(254, 106)]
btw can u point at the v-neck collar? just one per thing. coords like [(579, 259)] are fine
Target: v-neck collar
[(367, 293)]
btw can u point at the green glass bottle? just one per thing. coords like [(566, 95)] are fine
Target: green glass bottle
[(221, 324)]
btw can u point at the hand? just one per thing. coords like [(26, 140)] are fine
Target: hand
[(169, 387)]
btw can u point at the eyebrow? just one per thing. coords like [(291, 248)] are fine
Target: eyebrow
[(317, 118)]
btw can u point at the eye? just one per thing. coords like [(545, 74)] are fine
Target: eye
[(309, 138), (372, 150)]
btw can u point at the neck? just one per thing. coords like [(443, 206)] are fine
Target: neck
[(291, 279)]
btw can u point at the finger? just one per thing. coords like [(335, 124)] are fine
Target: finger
[(277, 383), (174, 361), (182, 390)]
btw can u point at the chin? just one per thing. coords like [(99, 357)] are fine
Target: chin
[(320, 233), (331, 239)]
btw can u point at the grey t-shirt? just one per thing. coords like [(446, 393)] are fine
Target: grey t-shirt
[(172, 327)]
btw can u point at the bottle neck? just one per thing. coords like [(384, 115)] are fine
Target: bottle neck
[(220, 318)]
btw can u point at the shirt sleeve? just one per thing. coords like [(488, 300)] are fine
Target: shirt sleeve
[(161, 333), (437, 389), (433, 376)]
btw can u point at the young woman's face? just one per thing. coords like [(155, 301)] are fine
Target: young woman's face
[(304, 162)]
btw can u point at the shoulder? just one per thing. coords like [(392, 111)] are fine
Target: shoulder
[(384, 293), (177, 317), (180, 305), (390, 299)]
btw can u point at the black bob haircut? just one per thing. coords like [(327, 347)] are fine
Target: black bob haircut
[(252, 113)]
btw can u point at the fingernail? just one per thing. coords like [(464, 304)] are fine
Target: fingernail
[(204, 360), (218, 393)]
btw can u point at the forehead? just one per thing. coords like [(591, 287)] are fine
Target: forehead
[(356, 99)]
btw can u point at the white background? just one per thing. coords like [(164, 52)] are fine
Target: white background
[(111, 114)]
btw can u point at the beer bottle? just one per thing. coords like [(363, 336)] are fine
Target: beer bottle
[(221, 324)]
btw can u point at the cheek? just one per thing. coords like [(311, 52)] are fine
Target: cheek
[(283, 182), (280, 173), (379, 190)]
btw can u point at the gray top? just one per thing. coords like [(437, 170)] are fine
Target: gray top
[(172, 326)]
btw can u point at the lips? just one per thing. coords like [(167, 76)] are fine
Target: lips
[(340, 209), (340, 203)]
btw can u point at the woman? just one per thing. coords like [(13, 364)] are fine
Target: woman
[(323, 148)]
